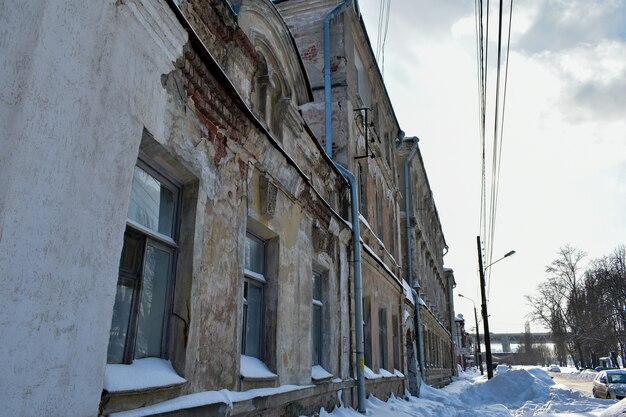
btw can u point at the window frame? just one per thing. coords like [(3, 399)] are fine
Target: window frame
[(317, 305), (259, 279), (146, 237), (395, 324), (382, 338)]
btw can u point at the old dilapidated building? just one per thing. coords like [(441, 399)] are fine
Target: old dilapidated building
[(175, 226), (189, 236), (354, 118), (434, 284)]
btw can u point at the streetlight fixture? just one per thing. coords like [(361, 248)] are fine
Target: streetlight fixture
[(484, 305), (478, 353)]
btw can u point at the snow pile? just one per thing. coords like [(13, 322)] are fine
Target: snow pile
[(511, 389), (516, 393), (588, 374), (616, 410)]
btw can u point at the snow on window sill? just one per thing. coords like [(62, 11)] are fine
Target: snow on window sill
[(204, 398), (319, 374), (369, 374), (142, 374), (382, 373), (253, 368)]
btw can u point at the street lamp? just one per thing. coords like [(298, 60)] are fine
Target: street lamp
[(484, 304), (478, 353)]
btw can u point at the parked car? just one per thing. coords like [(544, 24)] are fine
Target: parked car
[(610, 384), (554, 368), (502, 368)]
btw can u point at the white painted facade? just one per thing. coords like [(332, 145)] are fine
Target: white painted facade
[(80, 81)]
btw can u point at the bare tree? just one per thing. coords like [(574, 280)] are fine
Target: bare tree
[(584, 310)]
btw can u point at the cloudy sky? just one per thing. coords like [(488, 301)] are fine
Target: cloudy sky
[(563, 172)]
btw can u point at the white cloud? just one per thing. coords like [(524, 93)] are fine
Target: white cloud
[(564, 157)]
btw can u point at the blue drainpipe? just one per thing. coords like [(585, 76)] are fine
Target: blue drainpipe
[(356, 232), (412, 280), (358, 289)]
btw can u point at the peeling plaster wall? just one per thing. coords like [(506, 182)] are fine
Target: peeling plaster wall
[(89, 89)]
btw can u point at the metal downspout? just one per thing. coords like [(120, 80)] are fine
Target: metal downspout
[(356, 232), (358, 289), (413, 281)]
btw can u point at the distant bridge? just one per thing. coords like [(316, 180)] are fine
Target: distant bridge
[(507, 339), (518, 338)]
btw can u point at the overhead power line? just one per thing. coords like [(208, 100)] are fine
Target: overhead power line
[(489, 203)]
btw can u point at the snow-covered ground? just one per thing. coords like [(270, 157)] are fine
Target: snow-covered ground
[(518, 392)]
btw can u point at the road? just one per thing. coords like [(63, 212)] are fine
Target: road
[(571, 381)]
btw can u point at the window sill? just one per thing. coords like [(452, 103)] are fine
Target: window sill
[(320, 375), (142, 375)]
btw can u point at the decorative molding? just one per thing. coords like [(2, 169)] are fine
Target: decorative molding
[(161, 25), (268, 192)]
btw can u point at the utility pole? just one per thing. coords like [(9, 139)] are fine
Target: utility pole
[(484, 311)]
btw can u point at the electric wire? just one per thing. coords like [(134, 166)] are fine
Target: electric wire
[(385, 37), (498, 163), (482, 77), (379, 29), (494, 150)]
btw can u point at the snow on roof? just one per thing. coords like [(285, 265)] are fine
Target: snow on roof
[(142, 374), (380, 261), (421, 301), (253, 368), (405, 315), (408, 292), (365, 223)]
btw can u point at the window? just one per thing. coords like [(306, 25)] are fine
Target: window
[(362, 81), (382, 337), (362, 191), (316, 320), (146, 272), (379, 216), (253, 294), (367, 331), (392, 233), (396, 342)]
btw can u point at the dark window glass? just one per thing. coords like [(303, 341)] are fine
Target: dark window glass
[(396, 342), (253, 305), (140, 312), (316, 325), (382, 337)]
